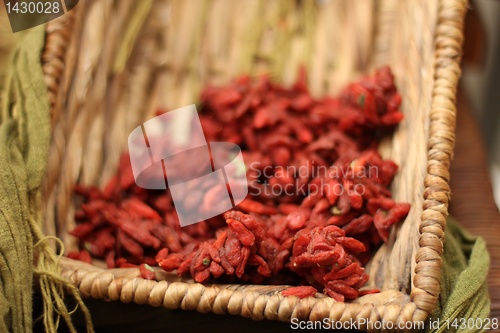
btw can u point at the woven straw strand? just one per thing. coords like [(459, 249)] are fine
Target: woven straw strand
[(53, 57), (448, 43), (256, 302)]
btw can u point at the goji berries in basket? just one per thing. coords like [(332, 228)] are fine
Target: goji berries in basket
[(319, 202)]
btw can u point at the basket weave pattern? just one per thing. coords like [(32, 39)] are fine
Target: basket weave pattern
[(97, 97)]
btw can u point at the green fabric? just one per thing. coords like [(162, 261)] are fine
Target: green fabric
[(24, 142), (464, 289), (25, 253)]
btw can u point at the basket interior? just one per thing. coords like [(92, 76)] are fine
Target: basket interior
[(182, 45)]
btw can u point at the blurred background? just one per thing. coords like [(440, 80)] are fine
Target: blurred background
[(481, 78)]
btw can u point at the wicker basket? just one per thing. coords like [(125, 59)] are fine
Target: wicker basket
[(173, 48)]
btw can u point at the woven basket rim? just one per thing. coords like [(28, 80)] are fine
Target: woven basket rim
[(425, 290)]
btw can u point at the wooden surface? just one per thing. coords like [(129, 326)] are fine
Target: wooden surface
[(472, 202)]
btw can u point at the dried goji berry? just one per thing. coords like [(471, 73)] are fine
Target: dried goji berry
[(216, 270), (137, 208), (147, 272), (82, 231), (244, 235), (301, 291), (129, 245), (245, 254), (333, 209)]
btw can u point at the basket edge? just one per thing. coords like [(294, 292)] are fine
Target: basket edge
[(448, 41), (238, 300), (441, 140)]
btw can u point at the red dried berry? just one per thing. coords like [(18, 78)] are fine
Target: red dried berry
[(301, 291), (332, 208), (147, 272)]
